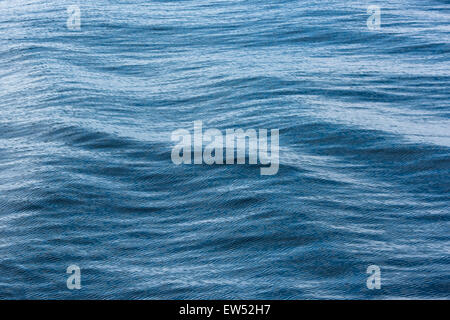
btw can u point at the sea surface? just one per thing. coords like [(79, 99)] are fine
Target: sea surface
[(86, 176)]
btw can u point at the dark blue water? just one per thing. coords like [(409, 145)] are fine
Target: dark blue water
[(86, 176)]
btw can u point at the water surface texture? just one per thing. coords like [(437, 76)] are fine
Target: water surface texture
[(86, 175)]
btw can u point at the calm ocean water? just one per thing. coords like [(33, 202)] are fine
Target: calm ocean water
[(86, 176)]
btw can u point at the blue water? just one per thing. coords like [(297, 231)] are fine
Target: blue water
[(86, 175)]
